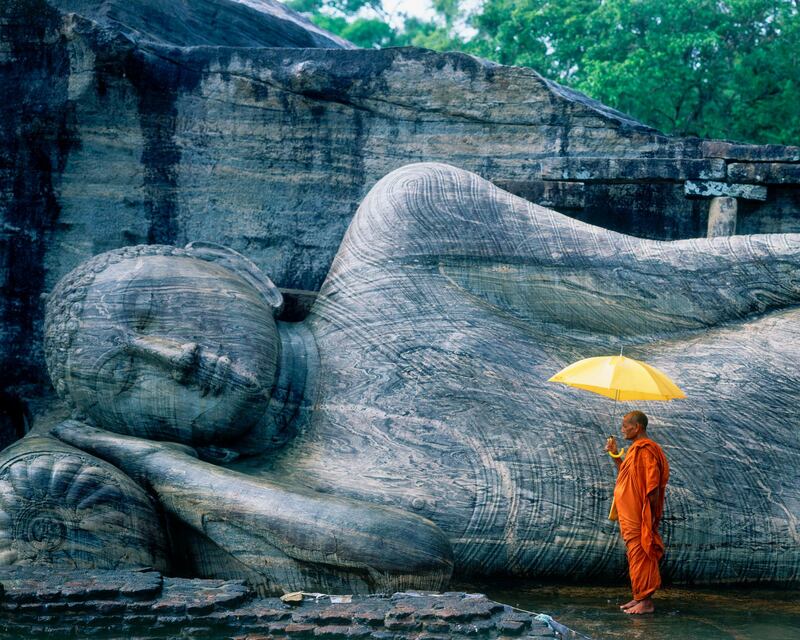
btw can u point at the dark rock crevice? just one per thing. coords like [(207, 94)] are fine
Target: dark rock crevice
[(37, 132), (159, 84)]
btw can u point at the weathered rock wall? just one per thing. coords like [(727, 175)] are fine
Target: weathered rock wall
[(115, 133)]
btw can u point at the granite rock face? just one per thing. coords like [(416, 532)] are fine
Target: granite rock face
[(222, 23), (121, 127), (406, 428)]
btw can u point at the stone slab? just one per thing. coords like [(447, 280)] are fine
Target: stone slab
[(38, 585), (764, 172), (713, 189), (631, 169), (749, 152)]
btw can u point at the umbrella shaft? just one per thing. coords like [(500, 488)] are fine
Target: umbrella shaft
[(614, 407)]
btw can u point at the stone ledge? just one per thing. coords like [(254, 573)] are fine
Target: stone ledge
[(712, 189), (143, 604), (631, 169), (750, 152), (764, 172)]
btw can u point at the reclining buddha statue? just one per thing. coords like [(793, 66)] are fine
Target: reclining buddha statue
[(405, 430)]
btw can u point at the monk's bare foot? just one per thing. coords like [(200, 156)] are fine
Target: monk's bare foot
[(643, 606), (628, 605)]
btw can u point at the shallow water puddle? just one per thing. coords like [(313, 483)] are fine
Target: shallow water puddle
[(682, 613)]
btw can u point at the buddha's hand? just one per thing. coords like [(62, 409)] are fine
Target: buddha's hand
[(285, 535)]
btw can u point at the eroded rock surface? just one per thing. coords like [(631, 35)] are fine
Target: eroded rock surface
[(405, 429), (120, 126), (226, 23)]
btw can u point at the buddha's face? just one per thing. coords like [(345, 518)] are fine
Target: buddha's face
[(173, 348)]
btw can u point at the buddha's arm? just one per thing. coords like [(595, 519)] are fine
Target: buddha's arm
[(278, 531)]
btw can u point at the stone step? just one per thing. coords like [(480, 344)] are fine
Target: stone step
[(144, 605)]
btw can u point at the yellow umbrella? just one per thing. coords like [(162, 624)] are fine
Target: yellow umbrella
[(620, 378)]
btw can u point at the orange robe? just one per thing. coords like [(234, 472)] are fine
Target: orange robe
[(644, 470)]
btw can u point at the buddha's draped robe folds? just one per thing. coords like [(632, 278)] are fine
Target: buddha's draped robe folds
[(644, 470)]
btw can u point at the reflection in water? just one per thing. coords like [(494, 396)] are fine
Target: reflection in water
[(724, 613)]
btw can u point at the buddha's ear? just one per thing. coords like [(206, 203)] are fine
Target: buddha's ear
[(240, 265)]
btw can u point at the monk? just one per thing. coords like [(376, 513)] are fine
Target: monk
[(639, 504)]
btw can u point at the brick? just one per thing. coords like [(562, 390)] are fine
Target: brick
[(331, 631), (169, 605), (511, 627), (403, 624), (194, 632), (342, 631), (169, 620), (437, 626), (541, 633), (140, 620), (299, 630), (334, 616), (369, 617), (473, 628), (255, 611), (402, 610)]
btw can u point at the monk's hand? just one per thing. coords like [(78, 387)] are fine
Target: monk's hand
[(611, 444)]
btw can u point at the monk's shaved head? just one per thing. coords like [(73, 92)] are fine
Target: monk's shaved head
[(636, 417)]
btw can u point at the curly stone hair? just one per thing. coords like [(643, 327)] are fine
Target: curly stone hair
[(65, 305)]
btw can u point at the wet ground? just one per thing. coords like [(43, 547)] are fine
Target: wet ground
[(682, 613)]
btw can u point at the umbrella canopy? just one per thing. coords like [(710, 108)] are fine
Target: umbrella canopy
[(620, 378)]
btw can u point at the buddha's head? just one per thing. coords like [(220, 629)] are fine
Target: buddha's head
[(165, 343)]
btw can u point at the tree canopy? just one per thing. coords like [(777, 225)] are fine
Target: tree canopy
[(711, 68)]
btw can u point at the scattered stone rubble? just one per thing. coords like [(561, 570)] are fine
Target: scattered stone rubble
[(141, 605)]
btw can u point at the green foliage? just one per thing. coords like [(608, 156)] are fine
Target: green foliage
[(363, 32), (712, 68)]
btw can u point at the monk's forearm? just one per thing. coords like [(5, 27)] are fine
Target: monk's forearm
[(653, 499)]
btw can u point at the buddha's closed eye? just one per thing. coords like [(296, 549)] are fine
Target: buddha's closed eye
[(139, 306)]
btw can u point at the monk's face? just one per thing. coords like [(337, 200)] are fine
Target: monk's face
[(630, 429), (173, 348)]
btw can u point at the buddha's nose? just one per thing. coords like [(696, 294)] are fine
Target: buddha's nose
[(188, 362)]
